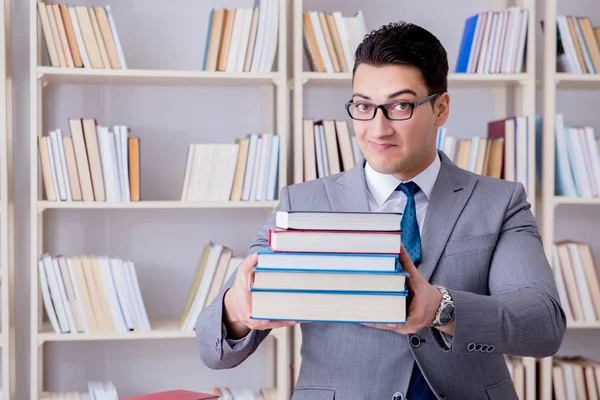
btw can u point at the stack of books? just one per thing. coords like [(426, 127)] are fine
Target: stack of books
[(331, 267)]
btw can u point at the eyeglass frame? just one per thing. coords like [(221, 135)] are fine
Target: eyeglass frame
[(413, 105)]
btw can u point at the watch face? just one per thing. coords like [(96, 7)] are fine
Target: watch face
[(446, 313)]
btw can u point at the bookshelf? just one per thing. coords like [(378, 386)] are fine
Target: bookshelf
[(7, 283), (514, 93), (557, 87), (44, 77)]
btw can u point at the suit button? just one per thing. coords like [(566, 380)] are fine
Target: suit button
[(491, 348), (398, 396), (471, 346), (415, 341)]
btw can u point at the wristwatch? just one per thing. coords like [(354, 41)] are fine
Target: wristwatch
[(445, 313)]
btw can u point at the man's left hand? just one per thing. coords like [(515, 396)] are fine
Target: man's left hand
[(426, 300)]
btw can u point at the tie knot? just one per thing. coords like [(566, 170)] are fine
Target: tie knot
[(408, 188)]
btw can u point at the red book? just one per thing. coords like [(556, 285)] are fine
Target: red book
[(174, 395)]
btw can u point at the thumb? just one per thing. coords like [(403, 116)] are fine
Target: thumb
[(245, 270), (407, 264)]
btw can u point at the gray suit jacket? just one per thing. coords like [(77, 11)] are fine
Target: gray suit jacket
[(480, 240)]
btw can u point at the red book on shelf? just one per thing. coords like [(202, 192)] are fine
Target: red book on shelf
[(174, 395)]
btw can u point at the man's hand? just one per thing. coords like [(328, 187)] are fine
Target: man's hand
[(425, 302), (237, 304)]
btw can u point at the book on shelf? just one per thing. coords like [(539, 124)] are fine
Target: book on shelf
[(216, 264), (575, 377), (502, 153), (80, 36), (94, 163), (96, 390), (246, 170), (323, 275), (229, 393), (328, 148), (330, 40), (91, 294), (577, 47), (516, 369), (577, 160), (494, 42), (242, 39), (576, 276)]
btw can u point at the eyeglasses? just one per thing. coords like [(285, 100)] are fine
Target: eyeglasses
[(395, 110)]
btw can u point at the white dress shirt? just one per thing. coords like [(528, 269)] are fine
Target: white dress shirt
[(384, 197)]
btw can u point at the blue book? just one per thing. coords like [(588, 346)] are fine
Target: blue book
[(466, 44), (329, 306)]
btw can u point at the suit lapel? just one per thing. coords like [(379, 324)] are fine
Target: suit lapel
[(349, 191), (449, 196)]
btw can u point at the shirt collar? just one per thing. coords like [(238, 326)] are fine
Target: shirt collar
[(382, 186)]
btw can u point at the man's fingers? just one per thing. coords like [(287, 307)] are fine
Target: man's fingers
[(245, 270), (407, 264)]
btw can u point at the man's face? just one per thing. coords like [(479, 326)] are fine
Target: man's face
[(402, 148)]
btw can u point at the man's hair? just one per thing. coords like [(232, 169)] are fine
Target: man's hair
[(406, 43)]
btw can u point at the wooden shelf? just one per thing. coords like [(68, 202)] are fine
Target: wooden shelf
[(160, 204), (154, 77), (456, 80), (161, 329), (583, 324), (564, 200), (577, 81)]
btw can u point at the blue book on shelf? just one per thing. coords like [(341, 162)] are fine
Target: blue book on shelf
[(207, 44), (466, 44)]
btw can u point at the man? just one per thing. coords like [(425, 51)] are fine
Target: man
[(480, 284)]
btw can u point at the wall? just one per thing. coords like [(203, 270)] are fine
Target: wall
[(165, 244)]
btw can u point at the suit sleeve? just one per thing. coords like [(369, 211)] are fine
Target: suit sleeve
[(522, 314), (215, 350)]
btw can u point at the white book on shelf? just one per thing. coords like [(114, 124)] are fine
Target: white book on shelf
[(201, 168), (326, 167), (117, 269), (491, 43), (188, 172), (484, 43), (265, 155), (273, 170), (522, 39), (314, 19), (594, 154), (246, 15), (256, 169), (272, 37), (580, 172), (513, 15), (63, 162), (48, 304), (589, 313), (235, 44), (345, 40), (560, 284), (111, 294), (565, 179), (113, 28), (202, 293), (477, 39), (56, 167), (85, 60), (584, 49), (63, 295), (109, 164), (250, 166), (568, 45), (69, 289), (59, 307), (142, 315), (261, 34), (78, 295), (587, 160), (123, 139), (499, 42)]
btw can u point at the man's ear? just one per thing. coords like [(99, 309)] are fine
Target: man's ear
[(442, 109)]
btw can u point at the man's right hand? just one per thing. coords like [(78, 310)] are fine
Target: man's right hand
[(237, 304)]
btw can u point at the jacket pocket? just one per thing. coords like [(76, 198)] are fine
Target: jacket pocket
[(313, 393), (467, 244), (504, 390)]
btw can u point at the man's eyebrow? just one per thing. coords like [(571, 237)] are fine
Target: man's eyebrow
[(390, 96)]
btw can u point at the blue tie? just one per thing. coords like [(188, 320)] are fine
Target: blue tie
[(411, 239)]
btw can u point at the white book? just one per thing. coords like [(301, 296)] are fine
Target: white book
[(111, 294), (261, 34), (79, 38), (115, 35), (123, 296), (272, 37), (63, 162), (84, 322), (63, 296), (137, 295), (48, 304), (256, 171), (244, 38), (265, 155), (345, 40), (273, 170), (124, 161), (188, 171), (322, 45), (109, 164), (234, 46), (250, 166), (59, 307), (57, 166), (519, 59)]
